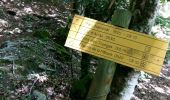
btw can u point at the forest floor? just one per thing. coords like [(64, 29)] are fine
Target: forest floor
[(30, 67), (153, 87)]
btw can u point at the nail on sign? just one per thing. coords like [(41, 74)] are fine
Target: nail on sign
[(124, 46)]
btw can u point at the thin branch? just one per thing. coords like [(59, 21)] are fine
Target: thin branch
[(111, 4)]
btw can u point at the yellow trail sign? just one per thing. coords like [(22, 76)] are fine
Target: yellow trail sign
[(124, 46)]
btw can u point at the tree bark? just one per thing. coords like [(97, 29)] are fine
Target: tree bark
[(144, 14)]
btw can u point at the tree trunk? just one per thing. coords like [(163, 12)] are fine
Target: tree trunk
[(125, 79), (144, 14), (101, 83)]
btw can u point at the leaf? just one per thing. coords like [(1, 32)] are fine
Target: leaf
[(44, 67), (162, 1), (60, 49), (1, 98), (163, 22), (42, 34), (39, 95)]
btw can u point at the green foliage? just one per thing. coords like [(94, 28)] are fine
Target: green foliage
[(60, 49), (164, 1), (167, 57), (1, 98), (163, 22), (45, 67), (122, 4), (61, 35), (29, 18), (62, 32), (80, 88), (39, 95), (42, 34), (97, 9)]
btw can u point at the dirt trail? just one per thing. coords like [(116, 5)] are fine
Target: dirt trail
[(153, 87)]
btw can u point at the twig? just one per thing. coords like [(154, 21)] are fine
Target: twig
[(13, 67), (35, 81), (111, 4)]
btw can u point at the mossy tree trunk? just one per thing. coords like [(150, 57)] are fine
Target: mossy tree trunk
[(125, 79), (87, 8), (101, 83)]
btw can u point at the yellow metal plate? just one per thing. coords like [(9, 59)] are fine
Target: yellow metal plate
[(124, 46)]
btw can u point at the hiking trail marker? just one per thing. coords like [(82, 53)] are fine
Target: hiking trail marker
[(123, 46)]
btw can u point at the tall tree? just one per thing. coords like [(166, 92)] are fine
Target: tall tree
[(143, 18), (96, 9)]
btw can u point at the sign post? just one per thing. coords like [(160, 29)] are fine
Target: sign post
[(115, 44)]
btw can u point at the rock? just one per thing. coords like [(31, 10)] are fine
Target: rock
[(7, 32), (161, 32), (4, 0), (29, 31), (3, 23), (164, 10), (162, 36), (168, 62), (1, 29), (159, 89), (50, 90), (143, 93), (17, 30), (28, 10)]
